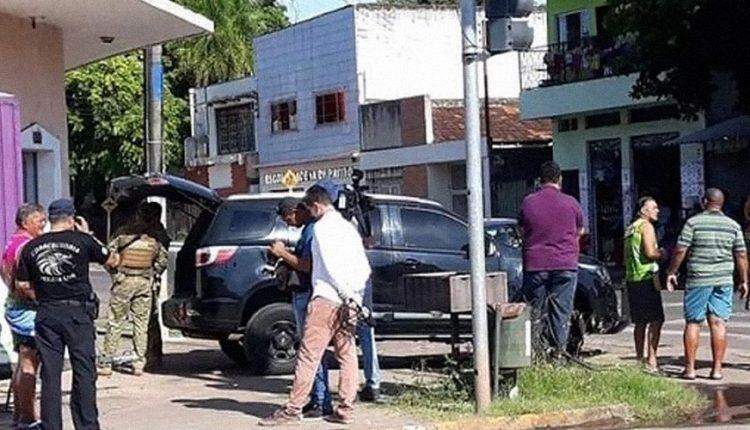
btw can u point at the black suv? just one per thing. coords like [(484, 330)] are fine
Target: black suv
[(222, 291)]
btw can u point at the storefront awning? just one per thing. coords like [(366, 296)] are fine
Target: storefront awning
[(96, 29), (735, 128)]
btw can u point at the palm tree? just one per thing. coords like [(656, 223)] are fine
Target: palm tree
[(228, 52)]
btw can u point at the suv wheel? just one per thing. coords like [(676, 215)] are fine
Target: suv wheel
[(271, 340), (234, 350)]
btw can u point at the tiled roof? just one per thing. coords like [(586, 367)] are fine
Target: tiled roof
[(505, 126)]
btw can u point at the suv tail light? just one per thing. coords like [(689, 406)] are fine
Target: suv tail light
[(214, 255)]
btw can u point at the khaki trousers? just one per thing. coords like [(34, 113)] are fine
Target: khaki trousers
[(324, 325)]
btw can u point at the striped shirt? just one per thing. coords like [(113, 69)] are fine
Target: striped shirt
[(712, 238)]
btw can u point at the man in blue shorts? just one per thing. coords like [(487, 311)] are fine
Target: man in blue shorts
[(714, 246)]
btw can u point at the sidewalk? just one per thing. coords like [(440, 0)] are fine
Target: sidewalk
[(200, 389), (730, 398)]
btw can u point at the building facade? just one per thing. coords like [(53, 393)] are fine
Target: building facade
[(336, 90), (614, 147), (39, 42), (222, 152)]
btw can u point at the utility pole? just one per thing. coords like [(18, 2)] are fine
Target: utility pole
[(153, 85), (153, 76), (472, 52)]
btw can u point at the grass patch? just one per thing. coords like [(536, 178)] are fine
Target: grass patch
[(654, 400)]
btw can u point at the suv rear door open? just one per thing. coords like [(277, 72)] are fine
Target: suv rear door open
[(129, 191), (133, 189)]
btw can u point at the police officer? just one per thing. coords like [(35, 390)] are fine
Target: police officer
[(54, 270), (141, 257)]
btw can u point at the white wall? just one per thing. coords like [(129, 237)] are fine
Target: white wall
[(439, 184), (578, 97), (408, 52), (297, 62), (49, 164)]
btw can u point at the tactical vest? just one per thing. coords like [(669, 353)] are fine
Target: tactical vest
[(140, 254)]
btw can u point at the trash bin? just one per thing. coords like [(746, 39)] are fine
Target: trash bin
[(511, 342)]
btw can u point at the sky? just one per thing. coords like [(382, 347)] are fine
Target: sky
[(298, 10)]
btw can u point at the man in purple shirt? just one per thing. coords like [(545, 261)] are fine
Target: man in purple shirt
[(552, 224)]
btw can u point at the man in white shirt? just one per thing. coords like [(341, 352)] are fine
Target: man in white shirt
[(339, 275)]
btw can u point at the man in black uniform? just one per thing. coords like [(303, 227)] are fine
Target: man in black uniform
[(54, 270)]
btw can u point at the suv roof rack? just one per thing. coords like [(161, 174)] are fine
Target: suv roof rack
[(299, 194)]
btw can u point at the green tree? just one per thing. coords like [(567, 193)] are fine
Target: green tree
[(228, 52), (679, 46), (105, 124)]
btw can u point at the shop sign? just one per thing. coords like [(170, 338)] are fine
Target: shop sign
[(343, 174)]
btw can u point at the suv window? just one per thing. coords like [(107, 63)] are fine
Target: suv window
[(376, 226), (432, 230), (242, 221), (506, 234)]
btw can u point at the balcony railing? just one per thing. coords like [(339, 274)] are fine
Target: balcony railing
[(563, 63)]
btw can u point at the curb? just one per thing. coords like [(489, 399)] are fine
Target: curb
[(570, 418)]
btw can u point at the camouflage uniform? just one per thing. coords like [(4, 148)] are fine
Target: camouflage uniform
[(132, 285)]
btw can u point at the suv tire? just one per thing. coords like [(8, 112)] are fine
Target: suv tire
[(271, 340), (234, 350)]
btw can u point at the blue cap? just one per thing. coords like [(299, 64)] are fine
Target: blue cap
[(332, 187), (61, 207)]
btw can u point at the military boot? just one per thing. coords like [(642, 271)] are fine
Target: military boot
[(104, 370)]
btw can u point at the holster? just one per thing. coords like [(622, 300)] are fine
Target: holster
[(92, 306)]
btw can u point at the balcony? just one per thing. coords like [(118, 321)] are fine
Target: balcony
[(568, 62), (573, 78)]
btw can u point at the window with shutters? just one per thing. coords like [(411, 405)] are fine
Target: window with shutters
[(284, 116), (330, 108)]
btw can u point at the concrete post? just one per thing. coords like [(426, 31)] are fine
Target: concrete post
[(153, 74)]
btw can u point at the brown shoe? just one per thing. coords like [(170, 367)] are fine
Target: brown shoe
[(279, 418), (137, 369), (338, 418)]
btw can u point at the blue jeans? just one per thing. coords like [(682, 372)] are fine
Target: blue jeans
[(552, 293), (320, 394), (366, 336)]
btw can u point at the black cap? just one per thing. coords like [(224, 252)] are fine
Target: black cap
[(61, 207), (286, 205)]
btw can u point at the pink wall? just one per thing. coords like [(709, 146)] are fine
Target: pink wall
[(32, 69), (10, 167)]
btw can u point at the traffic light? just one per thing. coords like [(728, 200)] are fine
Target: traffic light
[(505, 33)]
